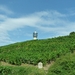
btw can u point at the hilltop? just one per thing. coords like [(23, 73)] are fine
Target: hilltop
[(56, 49)]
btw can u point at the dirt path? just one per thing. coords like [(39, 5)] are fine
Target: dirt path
[(48, 66), (23, 65)]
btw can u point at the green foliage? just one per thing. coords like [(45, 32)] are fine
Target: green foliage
[(6, 70), (63, 66), (72, 33), (33, 51)]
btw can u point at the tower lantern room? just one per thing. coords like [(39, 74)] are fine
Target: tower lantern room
[(35, 34)]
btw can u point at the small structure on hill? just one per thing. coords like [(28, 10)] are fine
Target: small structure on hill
[(35, 34), (40, 65)]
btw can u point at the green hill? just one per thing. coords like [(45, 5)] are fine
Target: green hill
[(58, 49), (63, 66)]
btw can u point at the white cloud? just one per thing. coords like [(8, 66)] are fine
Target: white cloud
[(46, 21), (4, 37), (4, 9)]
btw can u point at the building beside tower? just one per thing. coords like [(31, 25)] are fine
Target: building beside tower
[(35, 35)]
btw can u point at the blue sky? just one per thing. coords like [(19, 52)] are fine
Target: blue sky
[(20, 18)]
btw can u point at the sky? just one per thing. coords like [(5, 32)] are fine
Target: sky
[(20, 18)]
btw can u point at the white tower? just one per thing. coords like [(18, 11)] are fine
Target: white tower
[(35, 35)]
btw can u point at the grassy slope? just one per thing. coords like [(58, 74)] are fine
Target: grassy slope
[(31, 52), (65, 65), (21, 70)]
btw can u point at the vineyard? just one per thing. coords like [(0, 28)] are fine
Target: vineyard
[(44, 50)]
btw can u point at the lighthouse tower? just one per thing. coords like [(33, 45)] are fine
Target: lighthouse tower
[(35, 34)]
